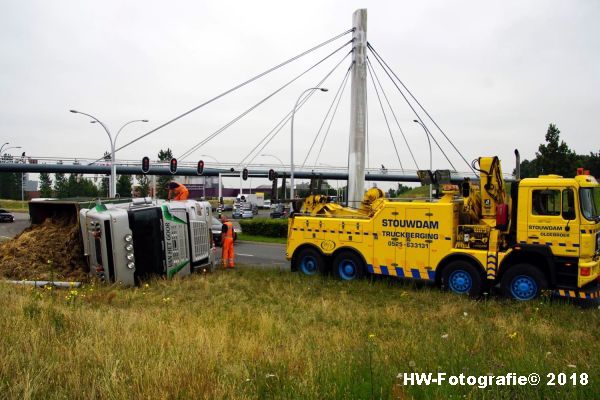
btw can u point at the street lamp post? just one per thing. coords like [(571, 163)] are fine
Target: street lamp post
[(2, 147), (292, 139), (11, 147), (6, 149), (113, 167), (430, 157)]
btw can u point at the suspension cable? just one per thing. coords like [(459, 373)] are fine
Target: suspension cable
[(230, 123), (326, 115), (384, 115), (279, 126), (235, 88), (393, 113), (333, 115), (413, 109), (422, 108)]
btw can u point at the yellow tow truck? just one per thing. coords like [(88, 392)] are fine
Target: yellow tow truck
[(544, 235)]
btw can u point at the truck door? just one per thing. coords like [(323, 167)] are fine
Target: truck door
[(387, 246), (418, 242), (553, 220)]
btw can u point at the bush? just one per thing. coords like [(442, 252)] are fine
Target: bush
[(265, 227)]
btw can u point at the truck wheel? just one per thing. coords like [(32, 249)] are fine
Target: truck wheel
[(309, 262), (347, 266), (462, 277), (523, 282)]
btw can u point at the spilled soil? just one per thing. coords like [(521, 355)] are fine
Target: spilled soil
[(51, 250)]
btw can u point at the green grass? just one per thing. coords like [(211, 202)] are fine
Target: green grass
[(14, 205), (418, 192), (262, 239), (256, 334)]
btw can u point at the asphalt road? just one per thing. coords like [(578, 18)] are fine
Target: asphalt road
[(264, 255), (8, 230)]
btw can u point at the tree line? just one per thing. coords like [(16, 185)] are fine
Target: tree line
[(60, 185), (555, 157)]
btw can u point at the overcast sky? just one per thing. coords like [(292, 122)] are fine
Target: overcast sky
[(493, 74)]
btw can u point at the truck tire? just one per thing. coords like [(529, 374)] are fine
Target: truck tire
[(523, 282), (309, 261), (463, 277), (348, 266)]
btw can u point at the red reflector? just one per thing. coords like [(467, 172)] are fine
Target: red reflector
[(585, 271)]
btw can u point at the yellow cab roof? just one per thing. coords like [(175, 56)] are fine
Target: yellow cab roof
[(557, 180)]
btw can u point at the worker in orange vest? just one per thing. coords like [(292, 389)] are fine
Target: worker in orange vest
[(227, 235), (178, 191)]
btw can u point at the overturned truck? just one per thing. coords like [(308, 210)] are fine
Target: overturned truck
[(129, 241)]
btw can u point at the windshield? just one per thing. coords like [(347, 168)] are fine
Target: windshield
[(590, 203)]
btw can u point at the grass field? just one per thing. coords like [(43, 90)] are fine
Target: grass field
[(252, 334), (14, 205)]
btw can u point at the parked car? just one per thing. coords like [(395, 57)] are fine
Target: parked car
[(279, 212), (5, 216), (247, 212), (237, 212), (217, 229), (253, 207)]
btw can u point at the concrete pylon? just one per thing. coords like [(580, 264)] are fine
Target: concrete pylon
[(358, 110)]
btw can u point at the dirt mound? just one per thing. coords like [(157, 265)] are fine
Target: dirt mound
[(48, 251)]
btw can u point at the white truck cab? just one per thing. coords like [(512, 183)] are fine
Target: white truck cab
[(129, 242)]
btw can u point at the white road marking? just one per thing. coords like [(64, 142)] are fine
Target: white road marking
[(245, 255)]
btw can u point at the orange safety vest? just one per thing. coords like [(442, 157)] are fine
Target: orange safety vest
[(181, 192), (229, 233)]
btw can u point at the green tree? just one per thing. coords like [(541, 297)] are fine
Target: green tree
[(10, 182), (104, 183), (592, 163), (162, 183), (73, 186), (88, 188), (61, 187), (554, 157), (45, 185), (124, 185), (144, 185)]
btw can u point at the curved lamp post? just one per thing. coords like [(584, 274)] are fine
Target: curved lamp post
[(113, 167)]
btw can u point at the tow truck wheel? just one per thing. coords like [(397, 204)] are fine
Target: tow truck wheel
[(462, 277), (347, 266), (523, 282), (309, 262)]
